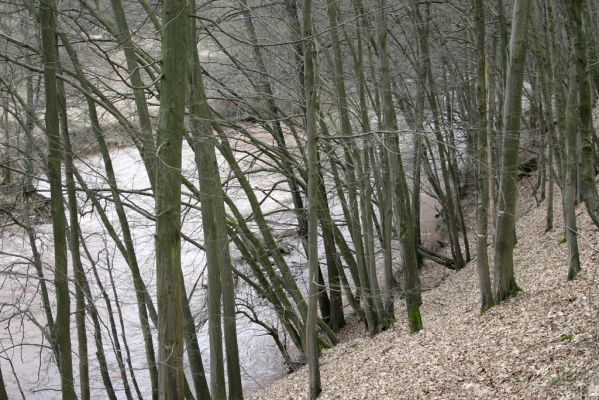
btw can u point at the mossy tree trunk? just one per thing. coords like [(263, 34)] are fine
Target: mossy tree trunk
[(171, 128), (220, 275), (47, 15)]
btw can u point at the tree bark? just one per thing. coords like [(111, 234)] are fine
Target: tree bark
[(171, 128), (47, 10), (484, 278), (123, 34), (73, 240), (579, 13), (569, 190), (3, 394), (221, 286), (505, 239), (311, 83), (404, 215), (354, 167)]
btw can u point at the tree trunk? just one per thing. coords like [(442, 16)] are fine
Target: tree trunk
[(220, 286), (311, 79), (579, 14), (569, 191), (482, 257), (171, 128), (126, 248), (356, 177), (73, 239), (505, 239), (3, 394), (47, 11), (123, 34), (404, 217), (545, 71)]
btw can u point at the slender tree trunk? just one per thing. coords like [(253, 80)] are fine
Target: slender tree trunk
[(484, 278), (3, 394), (334, 267), (591, 19), (126, 248), (404, 215), (579, 14), (220, 276), (148, 149), (28, 191), (505, 240), (336, 319), (196, 364), (550, 186), (503, 68), (93, 313), (296, 34), (569, 191), (47, 11), (6, 156), (423, 31), (311, 84), (73, 236), (491, 156), (542, 47), (170, 132), (557, 89)]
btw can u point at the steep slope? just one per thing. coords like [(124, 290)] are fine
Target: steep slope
[(544, 343)]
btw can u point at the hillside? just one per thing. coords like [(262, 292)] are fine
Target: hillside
[(544, 343)]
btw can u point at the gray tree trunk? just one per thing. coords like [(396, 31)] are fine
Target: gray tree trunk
[(404, 215), (144, 302), (569, 190), (123, 34), (311, 84), (580, 13), (505, 239), (484, 278)]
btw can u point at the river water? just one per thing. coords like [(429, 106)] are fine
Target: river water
[(24, 352), (21, 341)]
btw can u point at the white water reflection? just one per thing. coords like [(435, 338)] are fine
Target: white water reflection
[(21, 340)]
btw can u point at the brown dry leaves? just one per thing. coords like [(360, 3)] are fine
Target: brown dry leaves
[(541, 344)]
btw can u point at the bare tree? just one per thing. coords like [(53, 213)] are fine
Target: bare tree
[(168, 199), (505, 231), (483, 167), (47, 10)]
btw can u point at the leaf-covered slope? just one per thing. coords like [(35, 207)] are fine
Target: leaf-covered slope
[(544, 343)]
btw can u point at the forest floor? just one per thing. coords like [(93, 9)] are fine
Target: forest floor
[(542, 343)]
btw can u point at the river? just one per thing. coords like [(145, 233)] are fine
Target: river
[(21, 313)]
